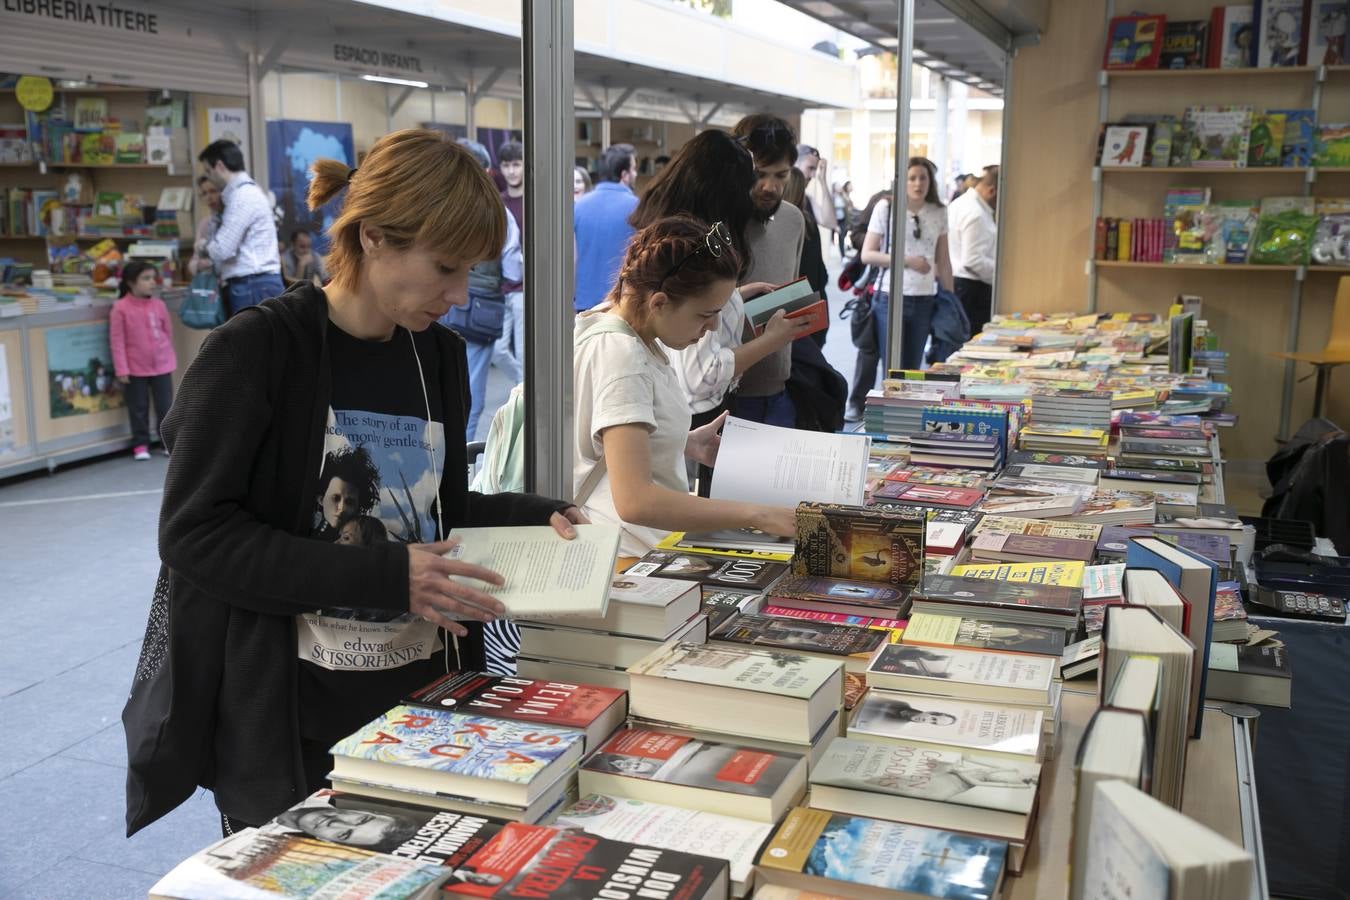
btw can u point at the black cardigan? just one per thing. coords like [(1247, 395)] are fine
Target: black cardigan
[(214, 699)]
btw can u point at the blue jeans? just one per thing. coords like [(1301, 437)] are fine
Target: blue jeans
[(480, 360), (508, 354), (917, 314), (775, 409), (250, 290)]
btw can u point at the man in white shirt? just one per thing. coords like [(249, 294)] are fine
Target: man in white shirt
[(972, 239), (244, 246)]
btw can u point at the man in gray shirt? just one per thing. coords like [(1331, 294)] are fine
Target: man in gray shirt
[(775, 239)]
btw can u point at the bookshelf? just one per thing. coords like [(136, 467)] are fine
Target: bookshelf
[(1122, 93)]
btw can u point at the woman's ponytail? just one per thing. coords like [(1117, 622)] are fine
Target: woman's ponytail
[(329, 178)]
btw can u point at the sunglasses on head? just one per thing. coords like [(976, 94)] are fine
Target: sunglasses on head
[(715, 242)]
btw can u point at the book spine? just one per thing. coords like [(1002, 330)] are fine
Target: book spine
[(1112, 238), (1216, 30), (1123, 241), (1099, 239)]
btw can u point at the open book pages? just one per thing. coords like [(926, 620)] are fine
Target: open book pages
[(545, 576)]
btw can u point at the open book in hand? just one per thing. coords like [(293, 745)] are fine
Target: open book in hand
[(758, 463), (544, 575), (799, 301)]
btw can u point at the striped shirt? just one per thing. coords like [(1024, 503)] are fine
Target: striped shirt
[(245, 243), (707, 370)]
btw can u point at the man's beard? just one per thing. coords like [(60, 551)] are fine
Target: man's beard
[(762, 215)]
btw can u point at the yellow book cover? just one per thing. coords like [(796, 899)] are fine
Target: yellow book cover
[(1061, 574), (677, 542), (1094, 434), (925, 628)]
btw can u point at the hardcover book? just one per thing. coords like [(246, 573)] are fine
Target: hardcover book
[(254, 863), (1281, 28), (856, 542), (748, 574), (669, 768), (796, 634), (812, 850), (1031, 548), (494, 760), (418, 833), (998, 593), (841, 595), (898, 772), (593, 709), (1124, 146), (566, 864), (736, 840), (743, 669), (1258, 674), (1184, 45), (1059, 574), (1134, 42), (1004, 731), (1232, 38), (1326, 33), (971, 674), (972, 633)]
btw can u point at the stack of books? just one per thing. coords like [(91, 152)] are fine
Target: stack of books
[(1064, 439), (642, 613), (966, 451), (1068, 406), (897, 410)]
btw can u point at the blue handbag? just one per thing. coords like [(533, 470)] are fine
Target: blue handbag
[(481, 320), (202, 307)]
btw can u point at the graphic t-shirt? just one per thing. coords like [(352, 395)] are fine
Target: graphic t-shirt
[(382, 468)]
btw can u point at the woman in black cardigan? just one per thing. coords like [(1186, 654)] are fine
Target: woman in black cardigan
[(316, 470)]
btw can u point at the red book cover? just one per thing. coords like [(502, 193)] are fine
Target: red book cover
[(676, 759), (518, 699), (817, 313), (1099, 239), (539, 863), (1214, 54), (1136, 235)]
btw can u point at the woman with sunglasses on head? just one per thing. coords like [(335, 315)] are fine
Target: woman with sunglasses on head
[(632, 418), (927, 263)]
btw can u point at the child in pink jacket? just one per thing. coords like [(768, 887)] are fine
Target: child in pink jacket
[(141, 336)]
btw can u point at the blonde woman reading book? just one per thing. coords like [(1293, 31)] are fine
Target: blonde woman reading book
[(632, 418)]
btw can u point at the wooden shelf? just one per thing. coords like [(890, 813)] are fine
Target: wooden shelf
[(1205, 170), (1249, 72), (1333, 170), (1329, 270), (1193, 267)]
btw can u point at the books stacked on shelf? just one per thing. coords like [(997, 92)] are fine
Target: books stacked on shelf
[(966, 451), (832, 854), (1129, 240), (852, 645), (661, 767), (1146, 666), (1067, 406), (999, 420), (1135, 841), (642, 614), (512, 769), (737, 840), (961, 791)]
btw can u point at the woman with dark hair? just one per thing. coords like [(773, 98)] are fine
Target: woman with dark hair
[(246, 677), (710, 178), (927, 265)]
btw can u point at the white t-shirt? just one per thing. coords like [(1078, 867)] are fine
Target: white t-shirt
[(619, 380), (932, 221)]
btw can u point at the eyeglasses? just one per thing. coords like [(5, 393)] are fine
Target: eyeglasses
[(716, 242), (917, 234)]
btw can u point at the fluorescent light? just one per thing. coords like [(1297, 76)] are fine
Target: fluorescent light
[(385, 79)]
